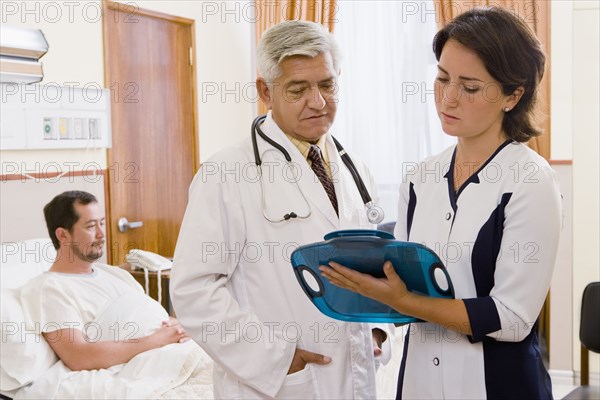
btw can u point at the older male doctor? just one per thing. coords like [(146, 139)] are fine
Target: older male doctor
[(232, 284)]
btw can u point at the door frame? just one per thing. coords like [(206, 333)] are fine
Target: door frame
[(135, 10)]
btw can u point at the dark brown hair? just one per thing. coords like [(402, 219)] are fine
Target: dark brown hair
[(512, 55), (60, 212)]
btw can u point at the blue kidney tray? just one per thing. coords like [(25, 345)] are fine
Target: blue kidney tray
[(366, 251)]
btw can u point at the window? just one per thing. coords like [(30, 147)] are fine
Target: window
[(386, 116)]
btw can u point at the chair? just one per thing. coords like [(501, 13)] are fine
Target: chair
[(589, 336)]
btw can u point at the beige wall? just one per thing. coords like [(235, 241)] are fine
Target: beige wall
[(561, 292), (575, 132), (586, 166)]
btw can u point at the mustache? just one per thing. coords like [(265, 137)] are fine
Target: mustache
[(89, 244)]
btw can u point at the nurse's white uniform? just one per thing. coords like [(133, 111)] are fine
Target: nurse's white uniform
[(498, 238), (233, 287)]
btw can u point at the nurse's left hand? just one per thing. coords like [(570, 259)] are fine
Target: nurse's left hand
[(390, 290)]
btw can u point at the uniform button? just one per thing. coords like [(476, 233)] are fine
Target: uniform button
[(448, 216), (436, 361)]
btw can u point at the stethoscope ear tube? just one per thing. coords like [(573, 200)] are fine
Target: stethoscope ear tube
[(362, 189), (256, 129), (374, 214), (255, 126)]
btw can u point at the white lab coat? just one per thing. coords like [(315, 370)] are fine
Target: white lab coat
[(233, 287)]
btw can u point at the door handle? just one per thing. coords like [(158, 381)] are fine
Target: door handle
[(124, 225)]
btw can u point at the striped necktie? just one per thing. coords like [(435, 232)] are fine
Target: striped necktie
[(317, 165)]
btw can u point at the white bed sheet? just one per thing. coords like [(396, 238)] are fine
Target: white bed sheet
[(146, 376)]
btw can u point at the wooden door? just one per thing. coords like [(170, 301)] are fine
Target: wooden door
[(148, 67)]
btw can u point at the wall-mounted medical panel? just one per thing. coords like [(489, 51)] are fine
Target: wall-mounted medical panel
[(54, 117)]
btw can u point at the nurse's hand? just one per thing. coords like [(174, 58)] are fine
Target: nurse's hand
[(390, 290), (303, 357)]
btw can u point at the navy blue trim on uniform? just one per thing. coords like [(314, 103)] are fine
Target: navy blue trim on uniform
[(402, 366), (483, 316), (474, 178), (450, 179), (487, 247), (410, 213), (519, 363), (482, 310)]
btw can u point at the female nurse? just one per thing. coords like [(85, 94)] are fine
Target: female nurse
[(491, 208)]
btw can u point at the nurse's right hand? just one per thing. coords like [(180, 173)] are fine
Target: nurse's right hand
[(303, 357)]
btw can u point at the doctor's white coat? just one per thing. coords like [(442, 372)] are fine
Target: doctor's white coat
[(233, 287)]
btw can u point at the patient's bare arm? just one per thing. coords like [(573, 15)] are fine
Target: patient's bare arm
[(78, 353)]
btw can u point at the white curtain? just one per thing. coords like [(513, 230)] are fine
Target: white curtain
[(386, 115)]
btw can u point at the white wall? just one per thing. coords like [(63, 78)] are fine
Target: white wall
[(575, 131), (586, 166), (224, 67)]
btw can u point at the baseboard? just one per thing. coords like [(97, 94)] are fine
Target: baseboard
[(563, 377)]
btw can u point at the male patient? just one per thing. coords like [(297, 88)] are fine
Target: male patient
[(76, 289)]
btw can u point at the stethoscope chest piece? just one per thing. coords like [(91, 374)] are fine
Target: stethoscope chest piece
[(375, 214)]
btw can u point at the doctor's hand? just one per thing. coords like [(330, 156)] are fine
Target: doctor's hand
[(379, 337), (303, 357), (390, 290)]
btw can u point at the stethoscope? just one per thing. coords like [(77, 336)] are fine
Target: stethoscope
[(374, 213)]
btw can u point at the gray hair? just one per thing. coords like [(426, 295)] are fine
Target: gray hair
[(293, 38)]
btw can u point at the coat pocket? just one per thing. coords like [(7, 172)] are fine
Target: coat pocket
[(299, 385)]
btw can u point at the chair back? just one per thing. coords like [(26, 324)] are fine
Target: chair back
[(589, 329)]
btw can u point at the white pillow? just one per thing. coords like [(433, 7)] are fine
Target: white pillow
[(24, 354), (22, 261)]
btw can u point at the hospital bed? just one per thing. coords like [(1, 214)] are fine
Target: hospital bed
[(30, 369), (27, 363)]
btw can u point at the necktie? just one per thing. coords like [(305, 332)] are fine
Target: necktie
[(317, 165)]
